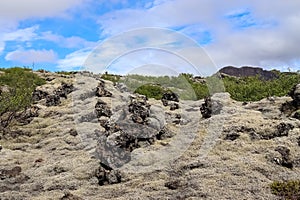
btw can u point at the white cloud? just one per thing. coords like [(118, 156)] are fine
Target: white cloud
[(20, 10), (32, 56), (271, 40), (66, 42), (74, 60), (21, 35)]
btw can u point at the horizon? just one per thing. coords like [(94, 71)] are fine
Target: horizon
[(60, 36)]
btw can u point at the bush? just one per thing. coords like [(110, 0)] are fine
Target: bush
[(20, 83), (151, 91), (286, 189), (111, 77)]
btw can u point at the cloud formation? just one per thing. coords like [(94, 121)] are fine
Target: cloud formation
[(32, 56)]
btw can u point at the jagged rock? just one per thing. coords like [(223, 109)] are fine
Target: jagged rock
[(70, 196), (73, 132), (102, 109), (52, 100), (1, 147), (27, 116), (169, 99), (232, 136), (39, 95), (291, 106), (295, 94), (297, 114), (10, 173), (174, 106), (164, 134), (170, 96), (139, 108), (210, 107), (106, 175), (64, 90), (285, 160), (101, 91)]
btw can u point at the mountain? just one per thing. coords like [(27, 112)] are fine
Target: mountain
[(89, 138), (248, 71)]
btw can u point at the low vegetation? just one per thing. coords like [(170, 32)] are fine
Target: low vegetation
[(188, 88), (286, 189), (17, 85)]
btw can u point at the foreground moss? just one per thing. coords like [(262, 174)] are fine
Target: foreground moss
[(286, 189)]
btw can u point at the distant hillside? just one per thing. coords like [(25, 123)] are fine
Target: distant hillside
[(249, 71)]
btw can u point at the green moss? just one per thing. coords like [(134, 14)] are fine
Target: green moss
[(287, 189)]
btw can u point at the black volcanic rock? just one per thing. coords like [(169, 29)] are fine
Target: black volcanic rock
[(248, 71)]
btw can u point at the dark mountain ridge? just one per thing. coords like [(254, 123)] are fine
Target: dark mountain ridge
[(246, 71)]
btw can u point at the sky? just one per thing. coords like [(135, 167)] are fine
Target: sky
[(64, 35)]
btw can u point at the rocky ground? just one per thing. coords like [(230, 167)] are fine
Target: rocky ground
[(90, 139)]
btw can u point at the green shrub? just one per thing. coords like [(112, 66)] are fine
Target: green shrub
[(151, 91), (111, 77), (20, 83), (286, 189), (64, 72)]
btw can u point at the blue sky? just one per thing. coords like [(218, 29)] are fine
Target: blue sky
[(62, 34)]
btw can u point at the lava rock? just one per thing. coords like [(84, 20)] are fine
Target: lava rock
[(295, 94), (106, 175), (232, 136), (139, 108), (52, 100), (10, 173), (285, 154), (70, 196), (101, 91), (297, 114), (102, 109), (73, 132), (38, 95), (170, 96), (210, 107), (174, 106), (64, 90)]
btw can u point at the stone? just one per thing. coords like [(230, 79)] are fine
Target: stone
[(170, 96), (106, 175), (285, 154), (210, 107), (101, 91), (38, 95), (102, 109), (69, 196), (10, 173), (295, 94), (52, 100), (64, 90)]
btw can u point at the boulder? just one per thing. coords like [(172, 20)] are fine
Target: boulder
[(101, 91), (53, 100), (64, 90), (210, 107), (102, 109), (295, 94)]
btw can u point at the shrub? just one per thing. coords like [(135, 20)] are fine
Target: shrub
[(111, 77), (151, 91), (20, 83), (286, 189)]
